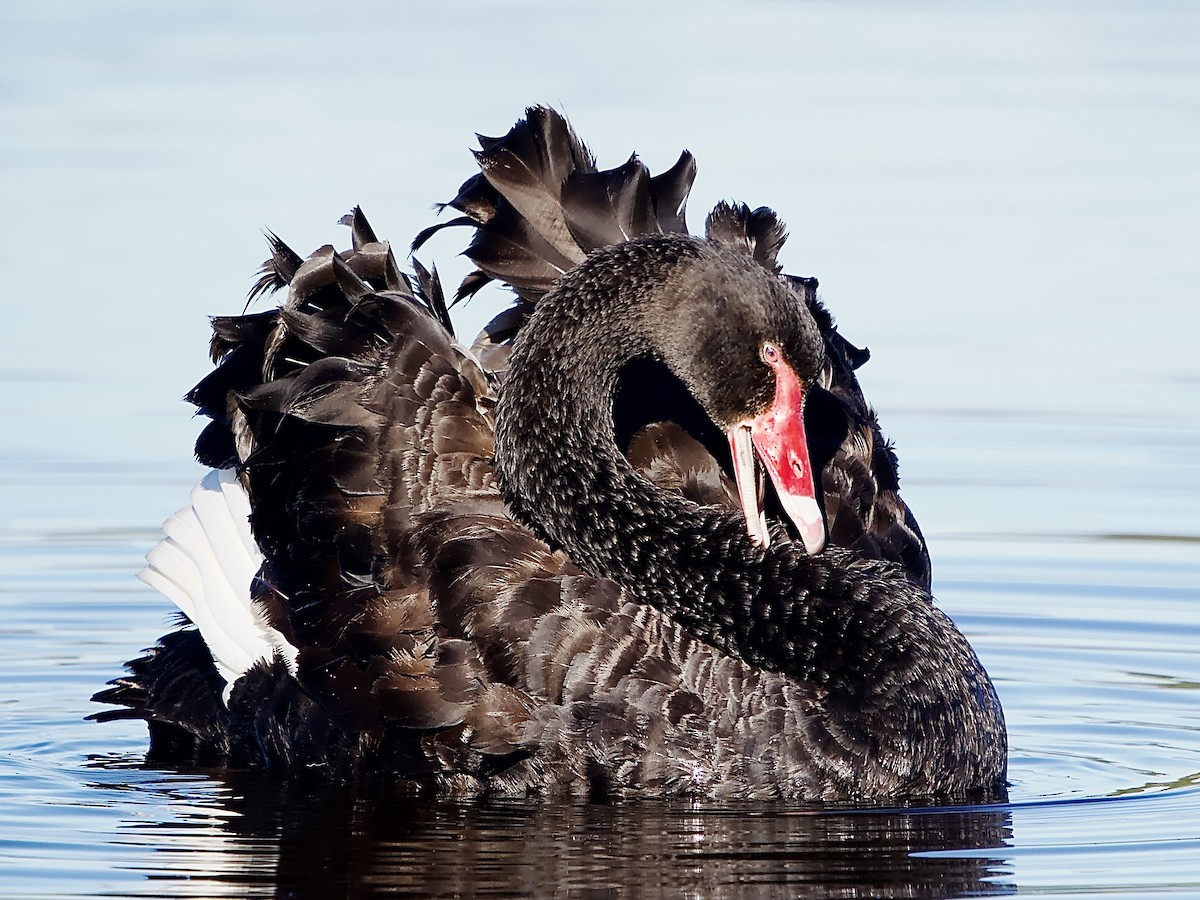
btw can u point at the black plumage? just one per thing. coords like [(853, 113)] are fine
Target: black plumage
[(521, 568)]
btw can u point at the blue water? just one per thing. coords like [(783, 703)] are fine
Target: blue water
[(1001, 199)]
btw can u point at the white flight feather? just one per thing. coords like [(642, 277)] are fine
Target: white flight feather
[(205, 566)]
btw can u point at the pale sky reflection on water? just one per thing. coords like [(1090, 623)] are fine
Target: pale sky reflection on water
[(1002, 200)]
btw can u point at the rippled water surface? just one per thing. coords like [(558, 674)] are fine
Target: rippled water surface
[(1001, 199)]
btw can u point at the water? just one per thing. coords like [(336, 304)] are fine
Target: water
[(1001, 199)]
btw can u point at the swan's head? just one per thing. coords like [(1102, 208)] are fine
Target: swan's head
[(737, 338), (748, 350)]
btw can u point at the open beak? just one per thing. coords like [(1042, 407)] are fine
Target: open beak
[(777, 439)]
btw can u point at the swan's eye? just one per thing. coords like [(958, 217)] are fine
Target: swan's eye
[(770, 353)]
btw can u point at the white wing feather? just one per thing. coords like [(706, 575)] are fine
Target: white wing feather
[(205, 566)]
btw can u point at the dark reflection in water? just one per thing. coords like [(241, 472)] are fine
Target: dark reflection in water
[(318, 840)]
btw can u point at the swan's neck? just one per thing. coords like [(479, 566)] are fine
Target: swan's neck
[(875, 662), (562, 473)]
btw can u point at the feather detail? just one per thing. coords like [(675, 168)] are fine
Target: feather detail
[(277, 272), (431, 292), (670, 192), (758, 232), (523, 171), (609, 207), (539, 205), (205, 565)]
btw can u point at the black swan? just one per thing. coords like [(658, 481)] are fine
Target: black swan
[(550, 562)]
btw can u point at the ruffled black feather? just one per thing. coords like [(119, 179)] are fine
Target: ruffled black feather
[(758, 232)]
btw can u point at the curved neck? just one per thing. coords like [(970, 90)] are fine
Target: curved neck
[(876, 664), (562, 474)]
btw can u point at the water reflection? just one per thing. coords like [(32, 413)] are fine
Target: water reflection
[(243, 834)]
